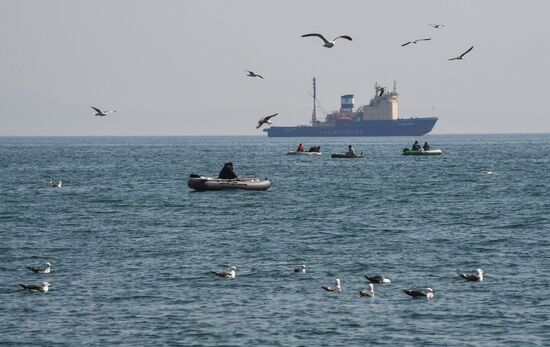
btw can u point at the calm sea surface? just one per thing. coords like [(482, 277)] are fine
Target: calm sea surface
[(132, 247)]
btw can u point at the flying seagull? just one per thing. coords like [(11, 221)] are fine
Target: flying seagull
[(253, 74), (265, 120), (415, 41), (301, 269), (101, 113), (378, 279), (437, 26), (226, 274), (41, 269), (328, 44), (428, 293), (36, 288), (460, 57), (334, 288), (476, 276), (382, 90), (368, 292)]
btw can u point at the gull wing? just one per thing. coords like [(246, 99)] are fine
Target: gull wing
[(406, 43), (260, 123), (343, 37), (96, 109), (468, 51), (269, 117), (317, 35)]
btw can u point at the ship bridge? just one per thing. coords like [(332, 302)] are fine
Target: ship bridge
[(384, 105)]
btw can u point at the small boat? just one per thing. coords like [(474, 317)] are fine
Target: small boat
[(202, 183), (302, 153), (347, 155), (407, 151)]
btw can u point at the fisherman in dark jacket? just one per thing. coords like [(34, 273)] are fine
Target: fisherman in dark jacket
[(426, 146), (227, 172), (314, 149)]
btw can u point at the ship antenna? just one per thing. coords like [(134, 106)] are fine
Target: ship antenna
[(394, 86), (314, 114)]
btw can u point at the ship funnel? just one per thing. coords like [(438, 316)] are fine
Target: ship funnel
[(346, 103)]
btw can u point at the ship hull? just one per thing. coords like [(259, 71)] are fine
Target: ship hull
[(399, 127)]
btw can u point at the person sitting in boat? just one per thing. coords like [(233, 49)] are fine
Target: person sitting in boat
[(426, 146), (351, 151), (416, 146), (300, 148), (227, 172), (314, 149)]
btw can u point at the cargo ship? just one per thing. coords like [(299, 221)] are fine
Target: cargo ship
[(379, 118)]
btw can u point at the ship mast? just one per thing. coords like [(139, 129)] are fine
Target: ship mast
[(314, 113)]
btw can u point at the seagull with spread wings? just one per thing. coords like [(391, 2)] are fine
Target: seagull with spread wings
[(253, 74), (460, 57), (101, 113), (265, 120), (437, 26), (328, 44), (414, 41)]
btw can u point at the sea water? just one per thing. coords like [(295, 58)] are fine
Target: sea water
[(132, 246)]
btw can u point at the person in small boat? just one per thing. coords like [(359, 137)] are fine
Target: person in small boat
[(300, 148), (314, 149), (426, 146), (416, 146), (227, 172), (350, 151)]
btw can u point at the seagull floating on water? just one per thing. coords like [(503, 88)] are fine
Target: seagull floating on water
[(265, 120), (36, 288), (428, 293), (101, 113), (368, 292), (476, 276), (460, 57), (378, 279), (301, 269), (492, 173), (415, 41), (41, 269), (55, 183), (252, 74), (437, 26), (227, 274), (335, 288), (328, 44)]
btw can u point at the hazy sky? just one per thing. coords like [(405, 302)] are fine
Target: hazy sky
[(177, 67)]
